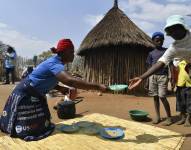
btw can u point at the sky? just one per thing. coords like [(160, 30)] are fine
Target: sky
[(34, 26)]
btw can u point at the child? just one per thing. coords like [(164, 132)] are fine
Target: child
[(183, 83), (158, 82)]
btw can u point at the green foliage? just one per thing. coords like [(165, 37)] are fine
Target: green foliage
[(44, 55)]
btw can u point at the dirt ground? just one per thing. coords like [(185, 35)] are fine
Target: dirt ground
[(113, 105)]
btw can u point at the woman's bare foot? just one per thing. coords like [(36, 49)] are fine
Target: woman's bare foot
[(187, 123), (182, 120)]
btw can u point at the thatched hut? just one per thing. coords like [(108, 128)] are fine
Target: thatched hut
[(115, 50)]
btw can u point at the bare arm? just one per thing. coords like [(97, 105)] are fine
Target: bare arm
[(62, 89), (152, 70), (137, 80), (69, 80)]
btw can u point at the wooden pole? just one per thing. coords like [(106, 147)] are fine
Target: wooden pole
[(115, 3)]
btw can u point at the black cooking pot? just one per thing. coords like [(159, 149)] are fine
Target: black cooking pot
[(67, 109)]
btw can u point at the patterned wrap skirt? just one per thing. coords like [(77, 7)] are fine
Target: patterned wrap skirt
[(26, 114)]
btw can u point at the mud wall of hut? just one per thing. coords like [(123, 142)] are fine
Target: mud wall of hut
[(115, 65)]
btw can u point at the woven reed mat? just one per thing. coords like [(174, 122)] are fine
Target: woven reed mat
[(138, 136)]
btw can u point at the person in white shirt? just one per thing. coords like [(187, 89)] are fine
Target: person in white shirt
[(10, 62), (181, 47)]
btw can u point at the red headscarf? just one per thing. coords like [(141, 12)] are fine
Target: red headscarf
[(63, 45)]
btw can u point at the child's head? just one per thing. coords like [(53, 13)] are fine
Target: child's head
[(176, 27), (158, 39), (10, 49)]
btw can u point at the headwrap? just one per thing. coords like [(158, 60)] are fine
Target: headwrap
[(63, 45), (159, 34)]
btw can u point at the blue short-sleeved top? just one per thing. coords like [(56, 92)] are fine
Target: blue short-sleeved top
[(43, 77)]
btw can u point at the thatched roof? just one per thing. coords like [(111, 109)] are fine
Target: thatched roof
[(114, 29)]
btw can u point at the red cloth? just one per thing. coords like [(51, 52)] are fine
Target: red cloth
[(64, 44)]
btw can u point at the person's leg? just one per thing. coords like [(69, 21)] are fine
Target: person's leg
[(181, 105), (157, 110), (7, 70), (168, 112), (153, 91), (187, 92), (183, 118), (162, 92), (188, 120)]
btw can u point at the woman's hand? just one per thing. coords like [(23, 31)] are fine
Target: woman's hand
[(103, 87), (63, 90), (72, 93), (134, 82)]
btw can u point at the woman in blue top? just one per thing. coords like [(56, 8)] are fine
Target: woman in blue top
[(26, 114)]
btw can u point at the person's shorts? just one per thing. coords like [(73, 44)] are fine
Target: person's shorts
[(158, 85), (180, 99), (183, 99)]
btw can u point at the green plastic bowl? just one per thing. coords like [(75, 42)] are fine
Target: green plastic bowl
[(118, 87), (138, 115)]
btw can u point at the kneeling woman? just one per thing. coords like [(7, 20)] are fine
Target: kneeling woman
[(26, 114)]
